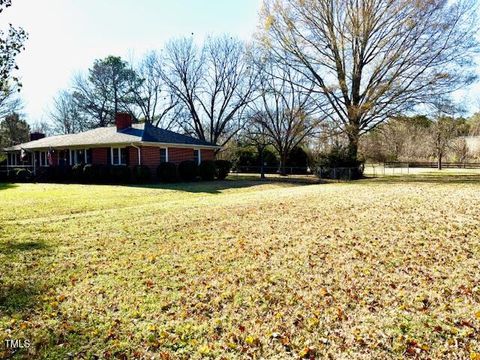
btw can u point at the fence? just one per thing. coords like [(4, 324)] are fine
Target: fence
[(340, 173), (434, 165), (289, 170)]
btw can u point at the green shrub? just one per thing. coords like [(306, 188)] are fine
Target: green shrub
[(44, 174), (223, 168), (167, 172), (141, 174), (95, 174), (187, 170), (77, 172), (339, 164), (207, 170), (23, 175), (61, 173), (119, 174)]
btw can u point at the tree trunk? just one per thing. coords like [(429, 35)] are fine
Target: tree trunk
[(262, 166), (439, 162), (281, 167), (353, 138)]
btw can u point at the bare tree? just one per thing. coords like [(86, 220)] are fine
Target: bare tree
[(214, 84), (42, 126), (442, 133), (67, 116), (257, 134), (373, 59), (285, 108), (157, 104)]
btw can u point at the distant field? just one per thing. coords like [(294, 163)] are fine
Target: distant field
[(376, 269)]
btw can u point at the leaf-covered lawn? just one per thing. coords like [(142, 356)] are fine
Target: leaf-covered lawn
[(384, 268)]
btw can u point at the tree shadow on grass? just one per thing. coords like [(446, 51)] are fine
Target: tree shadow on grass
[(233, 182), (10, 248), (16, 298), (426, 179), (20, 291), (6, 186)]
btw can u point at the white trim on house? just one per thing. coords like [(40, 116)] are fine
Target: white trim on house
[(123, 144), (199, 160), (166, 153), (43, 159)]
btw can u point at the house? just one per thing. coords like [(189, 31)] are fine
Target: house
[(123, 144)]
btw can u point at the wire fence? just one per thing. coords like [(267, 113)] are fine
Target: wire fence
[(289, 170)]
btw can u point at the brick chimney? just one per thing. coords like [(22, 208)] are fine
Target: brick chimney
[(36, 136), (123, 121)]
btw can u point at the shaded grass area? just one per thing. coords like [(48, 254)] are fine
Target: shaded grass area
[(379, 268)]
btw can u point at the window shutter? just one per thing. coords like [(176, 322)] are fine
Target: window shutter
[(109, 156)]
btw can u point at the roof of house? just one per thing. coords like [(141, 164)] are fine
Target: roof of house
[(138, 133)]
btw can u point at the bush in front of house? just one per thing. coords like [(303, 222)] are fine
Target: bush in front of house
[(167, 172), (188, 170), (223, 168), (44, 174), (119, 174), (22, 175), (61, 173), (95, 174), (207, 170), (77, 172), (141, 174)]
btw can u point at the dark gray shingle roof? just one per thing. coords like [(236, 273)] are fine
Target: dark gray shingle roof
[(110, 136)]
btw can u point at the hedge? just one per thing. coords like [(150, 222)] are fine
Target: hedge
[(207, 170), (223, 168), (141, 174), (187, 170), (167, 172)]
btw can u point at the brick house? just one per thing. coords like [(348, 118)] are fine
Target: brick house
[(123, 144)]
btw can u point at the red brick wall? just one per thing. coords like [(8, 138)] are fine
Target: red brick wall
[(99, 156), (151, 157), (177, 155), (132, 156), (207, 154)]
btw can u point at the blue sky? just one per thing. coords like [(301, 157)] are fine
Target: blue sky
[(65, 36)]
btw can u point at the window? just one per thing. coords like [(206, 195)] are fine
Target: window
[(43, 159), (163, 155), (196, 156), (119, 156), (12, 159), (80, 156)]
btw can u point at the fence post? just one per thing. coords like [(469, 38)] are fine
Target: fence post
[(349, 173), (335, 173)]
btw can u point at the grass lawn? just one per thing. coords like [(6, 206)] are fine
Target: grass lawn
[(379, 268)]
